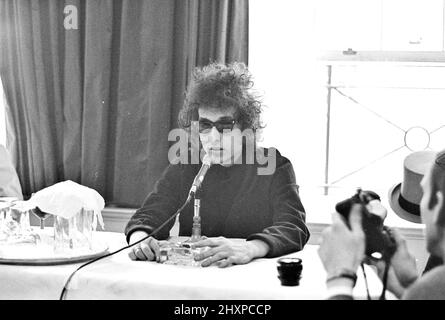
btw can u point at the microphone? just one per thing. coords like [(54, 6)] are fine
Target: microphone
[(200, 176)]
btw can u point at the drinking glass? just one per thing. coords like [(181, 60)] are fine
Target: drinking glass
[(4, 213), (17, 224), (74, 233)]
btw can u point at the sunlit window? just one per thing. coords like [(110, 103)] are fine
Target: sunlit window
[(348, 122)]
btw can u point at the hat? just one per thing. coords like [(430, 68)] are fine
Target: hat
[(404, 198)]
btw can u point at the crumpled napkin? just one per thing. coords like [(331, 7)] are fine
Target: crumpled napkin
[(67, 198)]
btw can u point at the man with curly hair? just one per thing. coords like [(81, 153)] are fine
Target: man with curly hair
[(238, 200)]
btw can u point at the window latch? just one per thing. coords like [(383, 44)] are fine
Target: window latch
[(349, 52)]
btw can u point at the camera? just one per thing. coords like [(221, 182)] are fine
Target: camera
[(378, 237)]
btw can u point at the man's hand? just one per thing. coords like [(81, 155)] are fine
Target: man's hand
[(146, 250), (341, 247), (224, 252), (403, 270)]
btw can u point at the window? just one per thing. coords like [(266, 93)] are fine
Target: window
[(343, 124)]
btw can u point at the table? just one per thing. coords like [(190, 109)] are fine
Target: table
[(118, 277)]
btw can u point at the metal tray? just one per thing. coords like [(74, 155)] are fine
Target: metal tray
[(31, 254)]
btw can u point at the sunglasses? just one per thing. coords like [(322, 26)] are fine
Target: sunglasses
[(205, 126)]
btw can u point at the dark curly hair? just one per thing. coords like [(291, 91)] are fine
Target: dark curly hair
[(219, 86)]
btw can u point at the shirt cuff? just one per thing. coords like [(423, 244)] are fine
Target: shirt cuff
[(339, 290), (138, 227)]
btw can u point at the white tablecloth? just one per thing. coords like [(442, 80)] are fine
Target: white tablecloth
[(117, 277)]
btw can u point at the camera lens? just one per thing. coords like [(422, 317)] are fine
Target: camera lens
[(289, 271)]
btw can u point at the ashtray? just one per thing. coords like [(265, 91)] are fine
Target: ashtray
[(180, 253)]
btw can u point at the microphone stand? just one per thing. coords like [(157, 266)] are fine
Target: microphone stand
[(195, 193), (196, 228)]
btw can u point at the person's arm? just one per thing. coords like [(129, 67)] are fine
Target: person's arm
[(403, 270), (431, 286), (9, 181), (289, 232), (136, 236), (225, 252), (341, 251), (148, 249), (340, 289), (258, 248), (160, 204)]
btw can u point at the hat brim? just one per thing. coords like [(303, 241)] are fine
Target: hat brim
[(393, 198)]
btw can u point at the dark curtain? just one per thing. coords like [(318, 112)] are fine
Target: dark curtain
[(95, 104)]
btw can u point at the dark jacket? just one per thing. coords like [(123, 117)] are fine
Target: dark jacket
[(236, 202)]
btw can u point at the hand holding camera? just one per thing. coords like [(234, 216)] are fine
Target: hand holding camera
[(357, 235), (403, 269), (342, 248), (378, 239)]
